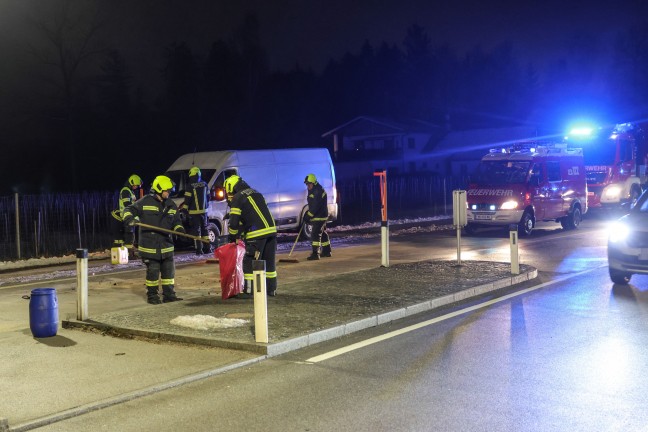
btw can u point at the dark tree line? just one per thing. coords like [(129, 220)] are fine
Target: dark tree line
[(89, 124)]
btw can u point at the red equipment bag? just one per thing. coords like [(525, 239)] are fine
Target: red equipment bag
[(230, 261)]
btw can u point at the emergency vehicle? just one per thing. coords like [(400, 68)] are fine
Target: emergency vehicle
[(615, 162), (527, 184)]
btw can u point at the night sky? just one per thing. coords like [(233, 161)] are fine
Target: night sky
[(309, 33)]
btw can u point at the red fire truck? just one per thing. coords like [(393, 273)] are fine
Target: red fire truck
[(526, 184), (615, 161)]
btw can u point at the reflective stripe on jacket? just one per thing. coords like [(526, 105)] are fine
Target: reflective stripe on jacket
[(317, 207), (126, 198), (197, 198), (162, 214), (250, 216)]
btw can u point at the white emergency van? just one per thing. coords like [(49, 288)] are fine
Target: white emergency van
[(526, 184), (277, 174)]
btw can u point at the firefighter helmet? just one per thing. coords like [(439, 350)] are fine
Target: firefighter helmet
[(135, 180), (230, 182), (163, 183), (194, 171), (310, 178)]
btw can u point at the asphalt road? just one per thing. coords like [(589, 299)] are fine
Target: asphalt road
[(564, 353)]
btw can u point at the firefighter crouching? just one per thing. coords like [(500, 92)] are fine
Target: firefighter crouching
[(317, 215), (124, 235), (155, 247), (196, 200), (250, 219)]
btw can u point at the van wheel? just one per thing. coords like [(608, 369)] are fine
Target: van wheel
[(526, 224), (214, 233), (307, 232), (619, 277), (572, 220)]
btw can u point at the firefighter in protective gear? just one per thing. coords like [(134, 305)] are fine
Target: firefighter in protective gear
[(196, 200), (317, 215), (156, 248), (129, 193), (250, 219)]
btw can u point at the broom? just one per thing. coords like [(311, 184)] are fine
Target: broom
[(293, 260)]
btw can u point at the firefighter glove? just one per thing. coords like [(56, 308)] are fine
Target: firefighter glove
[(231, 238)]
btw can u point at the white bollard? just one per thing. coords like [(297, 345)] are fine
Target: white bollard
[(515, 259), (260, 301), (458, 245), (82, 284), (384, 240)]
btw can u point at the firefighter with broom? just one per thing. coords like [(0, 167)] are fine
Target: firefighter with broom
[(250, 219), (157, 210)]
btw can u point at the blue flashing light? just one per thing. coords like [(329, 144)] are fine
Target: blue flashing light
[(581, 131)]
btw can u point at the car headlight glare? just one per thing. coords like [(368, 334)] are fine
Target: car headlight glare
[(618, 232), (612, 192), (509, 205)]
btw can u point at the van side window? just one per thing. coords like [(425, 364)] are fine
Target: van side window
[(220, 180), (553, 171)]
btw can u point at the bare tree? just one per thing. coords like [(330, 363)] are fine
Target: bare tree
[(70, 33)]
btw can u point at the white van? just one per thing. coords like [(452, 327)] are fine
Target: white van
[(277, 174)]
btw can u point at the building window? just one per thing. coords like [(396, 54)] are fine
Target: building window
[(411, 143), (412, 166)]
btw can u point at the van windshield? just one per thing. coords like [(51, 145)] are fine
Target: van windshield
[(502, 172)]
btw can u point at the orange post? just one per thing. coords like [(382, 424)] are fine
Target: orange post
[(384, 226)]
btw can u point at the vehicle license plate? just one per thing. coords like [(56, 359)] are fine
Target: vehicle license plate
[(483, 217), (643, 254)]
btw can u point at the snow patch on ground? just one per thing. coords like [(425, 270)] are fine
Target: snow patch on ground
[(207, 322)]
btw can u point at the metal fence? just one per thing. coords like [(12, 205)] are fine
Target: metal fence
[(54, 224), (57, 224)]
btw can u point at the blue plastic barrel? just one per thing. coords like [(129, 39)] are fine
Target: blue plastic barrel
[(43, 312)]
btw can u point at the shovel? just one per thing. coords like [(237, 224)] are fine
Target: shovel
[(164, 230)]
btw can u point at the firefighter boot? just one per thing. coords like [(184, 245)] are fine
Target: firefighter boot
[(169, 295), (326, 252), (315, 255), (152, 296)]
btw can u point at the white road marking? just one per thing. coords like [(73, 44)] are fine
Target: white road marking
[(404, 330)]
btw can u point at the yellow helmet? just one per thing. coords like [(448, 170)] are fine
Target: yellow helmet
[(194, 171), (310, 178), (135, 180), (163, 183), (230, 182)]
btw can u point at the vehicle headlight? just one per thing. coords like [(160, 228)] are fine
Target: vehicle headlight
[(618, 232), (509, 205), (612, 192)]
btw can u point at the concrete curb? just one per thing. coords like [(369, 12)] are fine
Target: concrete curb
[(293, 344), (282, 347)]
